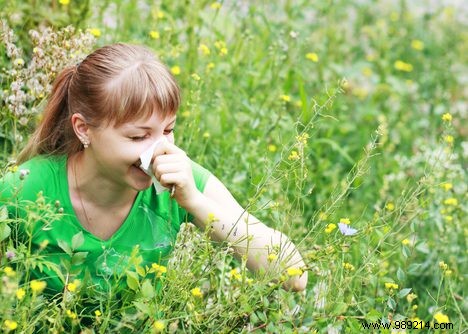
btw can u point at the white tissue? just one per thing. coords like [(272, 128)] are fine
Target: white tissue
[(147, 167)]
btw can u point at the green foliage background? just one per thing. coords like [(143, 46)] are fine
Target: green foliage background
[(357, 89)]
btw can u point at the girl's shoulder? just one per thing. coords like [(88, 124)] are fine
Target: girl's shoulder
[(33, 176)]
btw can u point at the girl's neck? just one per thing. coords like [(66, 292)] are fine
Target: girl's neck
[(95, 187)]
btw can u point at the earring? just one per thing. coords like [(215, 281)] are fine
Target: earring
[(84, 142)]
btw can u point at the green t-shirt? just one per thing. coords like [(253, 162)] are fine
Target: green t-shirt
[(151, 225)]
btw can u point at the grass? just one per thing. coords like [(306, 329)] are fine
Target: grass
[(309, 113)]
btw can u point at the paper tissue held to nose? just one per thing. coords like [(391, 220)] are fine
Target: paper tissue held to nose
[(147, 167)]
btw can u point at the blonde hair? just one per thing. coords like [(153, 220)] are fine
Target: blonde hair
[(114, 84)]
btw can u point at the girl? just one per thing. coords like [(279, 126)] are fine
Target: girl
[(84, 159)]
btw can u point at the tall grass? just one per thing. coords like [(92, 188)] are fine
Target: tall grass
[(312, 114)]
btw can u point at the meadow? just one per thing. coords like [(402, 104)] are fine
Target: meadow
[(314, 113)]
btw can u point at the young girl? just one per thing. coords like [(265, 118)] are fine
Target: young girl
[(84, 159)]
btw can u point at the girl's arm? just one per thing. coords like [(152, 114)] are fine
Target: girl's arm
[(248, 236)]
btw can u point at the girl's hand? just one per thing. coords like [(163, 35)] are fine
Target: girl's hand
[(172, 168)]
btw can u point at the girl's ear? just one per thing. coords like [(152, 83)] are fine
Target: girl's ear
[(81, 128)]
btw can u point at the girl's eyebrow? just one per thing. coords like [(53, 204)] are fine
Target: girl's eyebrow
[(144, 127)]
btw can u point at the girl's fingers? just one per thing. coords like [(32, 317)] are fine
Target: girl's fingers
[(166, 148), (165, 168)]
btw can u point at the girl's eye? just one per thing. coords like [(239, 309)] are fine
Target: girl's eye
[(168, 132), (138, 138)]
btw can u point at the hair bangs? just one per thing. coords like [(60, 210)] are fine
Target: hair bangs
[(139, 91)]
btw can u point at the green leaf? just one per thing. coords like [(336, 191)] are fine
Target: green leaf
[(65, 247), (5, 231), (406, 252), (132, 280), (77, 240), (401, 274), (147, 289), (78, 258), (391, 303), (404, 292), (340, 308), (143, 307), (373, 315), (3, 213), (415, 269)]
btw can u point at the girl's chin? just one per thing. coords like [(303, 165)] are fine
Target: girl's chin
[(143, 180)]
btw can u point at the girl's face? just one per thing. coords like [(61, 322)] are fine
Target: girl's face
[(116, 150)]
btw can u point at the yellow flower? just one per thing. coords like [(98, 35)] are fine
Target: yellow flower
[(215, 5), (402, 66), (159, 326), (18, 62), (71, 287), (95, 32), (294, 155), (345, 221), (292, 271), (235, 274), (361, 92), (175, 70), (71, 314), (405, 242), (206, 134), (323, 216), (418, 323), (272, 257), (13, 169), (448, 139), (302, 138), (348, 266), (210, 66), (223, 51), (97, 313), (447, 117), (220, 44), (272, 148), (212, 217), (195, 77), (441, 318), (159, 269), (390, 206), (285, 98), (196, 292), (391, 286), (447, 186), (370, 57), (367, 71), (330, 228), (37, 286), (10, 324), (204, 49), (159, 14), (9, 271), (417, 44), (312, 56), (154, 34), (443, 265), (414, 307), (410, 297), (448, 218), (20, 293), (64, 2), (451, 201), (448, 273)]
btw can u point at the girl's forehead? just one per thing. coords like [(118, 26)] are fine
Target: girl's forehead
[(152, 121)]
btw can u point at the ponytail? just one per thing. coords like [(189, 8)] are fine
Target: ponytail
[(54, 134)]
